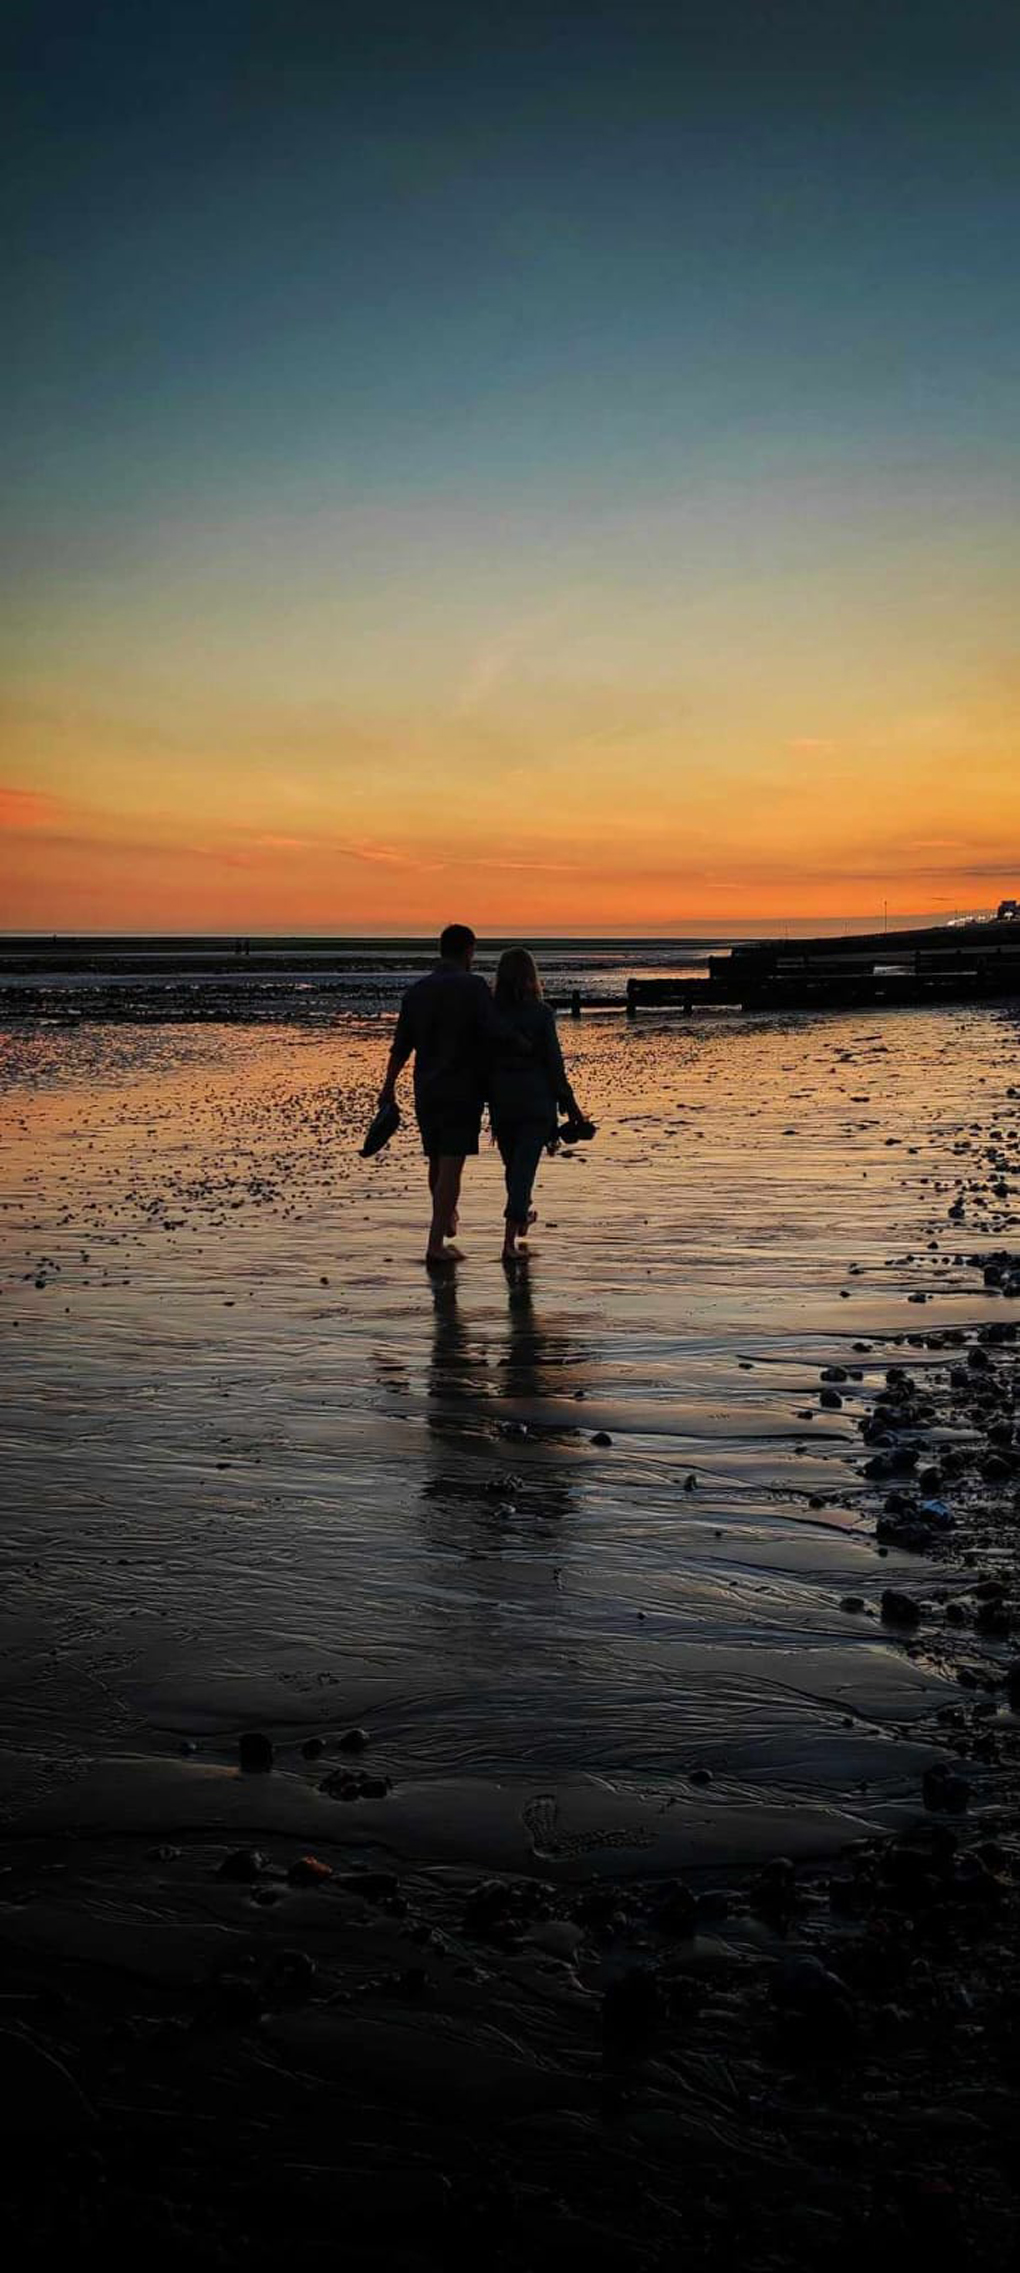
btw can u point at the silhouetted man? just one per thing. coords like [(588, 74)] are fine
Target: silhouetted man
[(447, 1019)]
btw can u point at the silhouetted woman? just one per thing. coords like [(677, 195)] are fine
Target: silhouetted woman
[(525, 1092)]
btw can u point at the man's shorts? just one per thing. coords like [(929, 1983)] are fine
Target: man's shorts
[(449, 1130)]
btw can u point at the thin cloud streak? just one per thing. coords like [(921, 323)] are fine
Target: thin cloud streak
[(26, 808)]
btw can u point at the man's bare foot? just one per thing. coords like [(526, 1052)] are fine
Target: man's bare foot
[(438, 1258)]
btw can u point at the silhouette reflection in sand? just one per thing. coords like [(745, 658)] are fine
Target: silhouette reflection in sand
[(502, 1438)]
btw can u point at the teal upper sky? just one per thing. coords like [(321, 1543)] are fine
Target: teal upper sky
[(267, 251)]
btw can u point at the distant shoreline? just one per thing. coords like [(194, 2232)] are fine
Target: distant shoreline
[(24, 940)]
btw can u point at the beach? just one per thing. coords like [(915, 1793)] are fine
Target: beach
[(561, 1884)]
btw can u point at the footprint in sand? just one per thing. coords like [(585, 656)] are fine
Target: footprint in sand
[(541, 1815)]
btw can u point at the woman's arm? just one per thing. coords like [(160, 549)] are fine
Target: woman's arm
[(557, 1071)]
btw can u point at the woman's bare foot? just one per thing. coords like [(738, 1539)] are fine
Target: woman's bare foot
[(512, 1233), (437, 1258)]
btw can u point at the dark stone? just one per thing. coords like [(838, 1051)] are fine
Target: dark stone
[(676, 1911), (713, 1905), (848, 1896), (291, 1977), (243, 1864), (912, 1532), (312, 1747), (500, 1909), (352, 1783), (774, 1893), (907, 1871), (899, 1609), (700, 1776), (975, 1881), (256, 1752), (995, 1618), (780, 1872), (808, 1991), (945, 1790), (830, 1398), (308, 1871), (353, 1740)]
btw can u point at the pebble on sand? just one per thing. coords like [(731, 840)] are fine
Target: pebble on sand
[(353, 1740), (243, 1864), (899, 1609), (255, 1752), (308, 1871)]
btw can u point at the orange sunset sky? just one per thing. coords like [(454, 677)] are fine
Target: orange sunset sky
[(565, 483)]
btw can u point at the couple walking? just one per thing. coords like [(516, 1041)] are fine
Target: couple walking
[(471, 1048)]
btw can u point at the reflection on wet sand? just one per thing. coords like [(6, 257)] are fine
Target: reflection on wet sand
[(458, 1365), (543, 1355), (493, 1438)]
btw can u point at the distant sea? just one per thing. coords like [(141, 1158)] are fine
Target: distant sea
[(311, 979), (308, 979)]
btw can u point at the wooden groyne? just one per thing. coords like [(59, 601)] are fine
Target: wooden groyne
[(944, 962)]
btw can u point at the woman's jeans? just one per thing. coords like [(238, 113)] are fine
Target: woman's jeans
[(521, 1145)]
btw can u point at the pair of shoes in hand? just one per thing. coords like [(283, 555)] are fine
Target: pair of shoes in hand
[(575, 1129)]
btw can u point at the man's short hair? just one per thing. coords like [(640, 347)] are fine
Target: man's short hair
[(456, 941)]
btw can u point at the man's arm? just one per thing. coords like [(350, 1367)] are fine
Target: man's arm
[(400, 1051)]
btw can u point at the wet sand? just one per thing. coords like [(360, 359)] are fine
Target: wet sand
[(261, 1474)]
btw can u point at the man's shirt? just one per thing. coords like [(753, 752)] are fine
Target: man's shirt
[(448, 1019)]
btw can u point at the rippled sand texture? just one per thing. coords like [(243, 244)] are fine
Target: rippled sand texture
[(261, 1471)]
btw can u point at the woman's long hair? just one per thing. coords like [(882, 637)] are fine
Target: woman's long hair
[(517, 979)]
